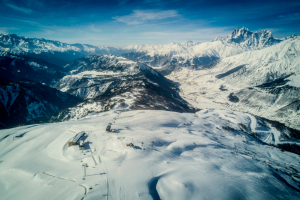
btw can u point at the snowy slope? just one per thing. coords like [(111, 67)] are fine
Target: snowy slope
[(262, 82), (176, 156)]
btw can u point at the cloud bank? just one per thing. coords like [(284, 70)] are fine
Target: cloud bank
[(145, 16)]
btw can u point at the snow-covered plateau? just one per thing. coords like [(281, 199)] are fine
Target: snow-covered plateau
[(205, 155)]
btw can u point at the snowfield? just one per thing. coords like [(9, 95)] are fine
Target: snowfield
[(205, 155)]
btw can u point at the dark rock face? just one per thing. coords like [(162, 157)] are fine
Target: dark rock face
[(16, 68), (233, 98), (23, 102)]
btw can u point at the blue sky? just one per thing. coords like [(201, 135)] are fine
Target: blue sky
[(121, 23)]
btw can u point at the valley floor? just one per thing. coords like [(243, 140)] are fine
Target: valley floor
[(205, 155)]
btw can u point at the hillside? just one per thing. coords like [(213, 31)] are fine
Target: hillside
[(111, 81)]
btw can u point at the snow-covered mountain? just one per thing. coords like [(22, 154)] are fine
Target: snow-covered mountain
[(26, 101), (169, 57), (263, 82), (165, 58), (239, 63), (51, 51), (107, 82)]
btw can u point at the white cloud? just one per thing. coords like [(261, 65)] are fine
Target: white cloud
[(201, 34), (144, 16), (290, 17), (20, 9)]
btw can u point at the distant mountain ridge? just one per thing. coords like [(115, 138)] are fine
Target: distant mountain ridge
[(55, 52), (169, 57)]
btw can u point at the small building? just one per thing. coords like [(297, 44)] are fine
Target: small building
[(76, 140), (130, 145), (108, 128), (81, 143)]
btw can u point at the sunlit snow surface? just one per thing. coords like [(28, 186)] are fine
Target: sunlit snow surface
[(176, 156)]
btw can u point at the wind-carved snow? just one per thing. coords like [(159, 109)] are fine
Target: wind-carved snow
[(205, 155), (294, 80)]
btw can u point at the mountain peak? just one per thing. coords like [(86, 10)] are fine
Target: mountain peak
[(239, 34), (219, 38), (245, 37)]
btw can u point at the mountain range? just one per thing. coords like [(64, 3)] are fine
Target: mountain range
[(216, 120), (257, 73)]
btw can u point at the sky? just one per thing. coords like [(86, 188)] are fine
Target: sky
[(120, 23)]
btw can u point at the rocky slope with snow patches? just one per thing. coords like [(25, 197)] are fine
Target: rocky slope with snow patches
[(263, 82), (206, 155), (170, 57), (51, 51), (107, 82), (23, 102)]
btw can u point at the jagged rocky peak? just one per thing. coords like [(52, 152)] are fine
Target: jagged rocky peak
[(245, 37), (295, 36), (238, 35)]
